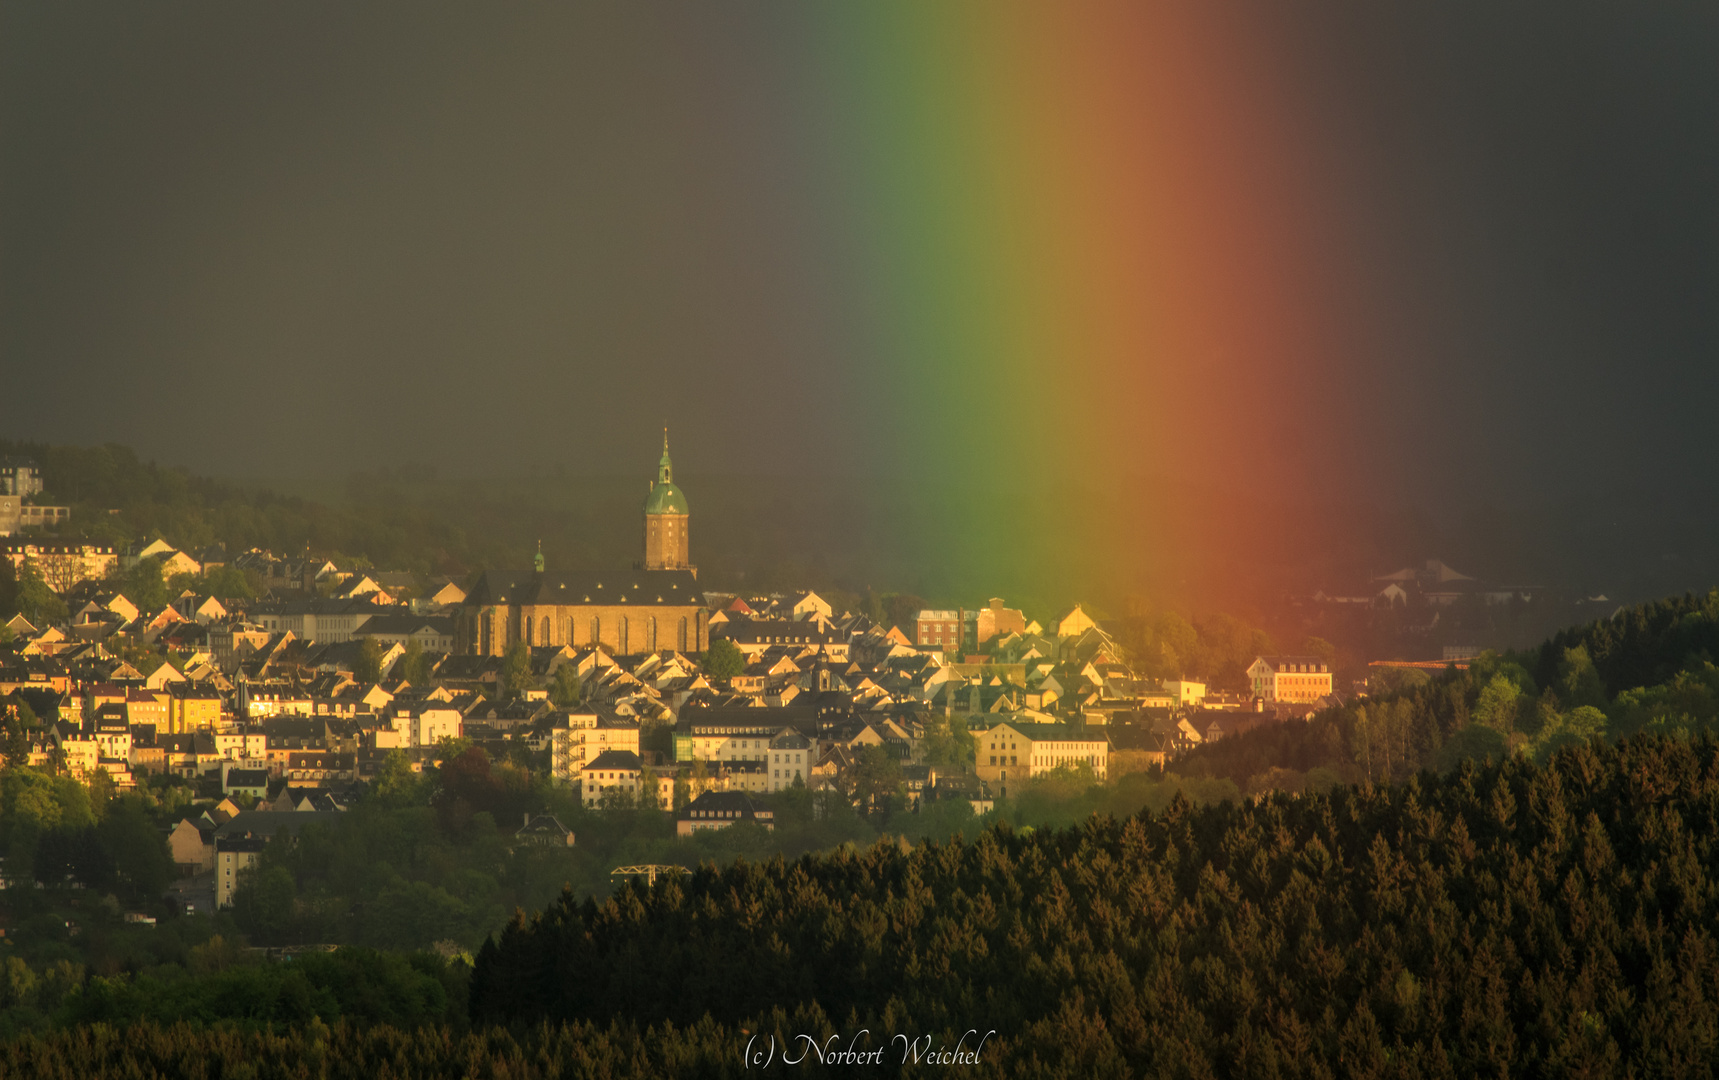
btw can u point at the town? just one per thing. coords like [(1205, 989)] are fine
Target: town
[(630, 687)]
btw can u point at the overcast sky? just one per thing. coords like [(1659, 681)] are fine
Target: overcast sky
[(270, 238)]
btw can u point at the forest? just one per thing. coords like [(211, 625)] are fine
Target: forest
[(1498, 919), (1511, 918), (1648, 669)]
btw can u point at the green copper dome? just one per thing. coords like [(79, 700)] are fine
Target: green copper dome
[(665, 498)]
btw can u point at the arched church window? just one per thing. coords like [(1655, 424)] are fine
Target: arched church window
[(651, 634), (596, 629), (622, 646), (683, 633), (546, 638)]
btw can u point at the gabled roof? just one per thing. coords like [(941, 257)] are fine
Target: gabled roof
[(543, 825), (735, 804), (614, 759)]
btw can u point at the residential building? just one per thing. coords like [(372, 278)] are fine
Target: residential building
[(423, 721), (938, 628), (1184, 692), (544, 830), (1290, 678), (612, 773), (79, 749), (191, 706), (1075, 623), (1022, 751), (193, 846), (809, 605), (995, 620), (317, 618), (62, 565), (260, 704), (147, 707), (755, 637), (252, 783), (790, 759), (232, 855), (43, 517), (433, 633), (20, 476), (578, 738), (720, 810), (727, 734)]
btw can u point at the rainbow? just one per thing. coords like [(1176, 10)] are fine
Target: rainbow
[(1094, 248)]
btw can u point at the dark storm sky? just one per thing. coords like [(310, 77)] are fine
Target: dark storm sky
[(265, 239)]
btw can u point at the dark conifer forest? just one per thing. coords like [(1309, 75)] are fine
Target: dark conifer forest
[(1500, 920)]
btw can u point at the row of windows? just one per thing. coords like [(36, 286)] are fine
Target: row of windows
[(543, 632)]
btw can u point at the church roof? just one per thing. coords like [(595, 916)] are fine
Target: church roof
[(665, 498), (644, 588)]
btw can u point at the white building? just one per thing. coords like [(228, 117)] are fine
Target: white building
[(790, 759), (582, 737), (424, 723)]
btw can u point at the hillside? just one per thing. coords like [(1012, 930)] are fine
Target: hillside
[(1648, 668), (1505, 919)]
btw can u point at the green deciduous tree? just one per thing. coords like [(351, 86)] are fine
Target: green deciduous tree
[(1579, 681), (1574, 728), (414, 665), (367, 666), (874, 779), (396, 785), (723, 660), (36, 602), (1500, 701), (565, 690), (516, 670), (263, 902), (145, 587)]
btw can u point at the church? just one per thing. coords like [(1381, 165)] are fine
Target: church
[(654, 606)]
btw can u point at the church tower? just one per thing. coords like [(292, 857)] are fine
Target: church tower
[(666, 520)]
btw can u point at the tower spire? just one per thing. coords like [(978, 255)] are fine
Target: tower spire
[(537, 561), (665, 469)]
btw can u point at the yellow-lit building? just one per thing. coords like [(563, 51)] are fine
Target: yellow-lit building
[(1020, 751), (233, 854), (1290, 678), (191, 707)]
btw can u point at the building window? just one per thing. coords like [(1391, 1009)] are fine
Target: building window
[(596, 629)]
